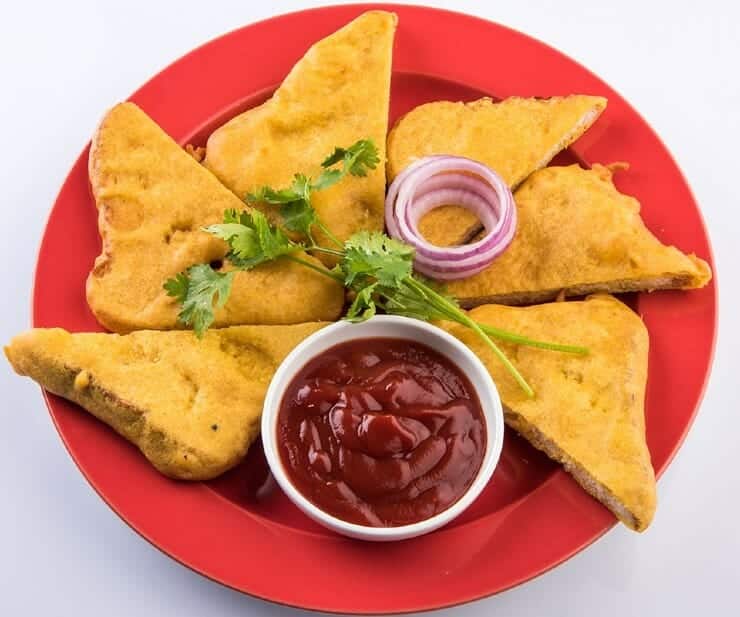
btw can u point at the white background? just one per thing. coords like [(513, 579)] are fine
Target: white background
[(62, 552)]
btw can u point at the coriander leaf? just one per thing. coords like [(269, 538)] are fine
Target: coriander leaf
[(327, 178), (334, 157), (299, 190), (197, 290), (272, 240), (298, 216), (364, 157), (241, 239), (177, 287), (252, 239), (295, 203), (358, 158), (302, 187), (376, 256), (269, 195), (363, 306)]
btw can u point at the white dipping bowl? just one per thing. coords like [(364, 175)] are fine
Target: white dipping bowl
[(385, 326)]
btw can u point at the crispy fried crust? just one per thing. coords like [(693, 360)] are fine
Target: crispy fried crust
[(588, 482), (578, 234), (153, 198), (679, 281), (335, 95), (166, 391), (514, 137), (588, 411), (191, 406)]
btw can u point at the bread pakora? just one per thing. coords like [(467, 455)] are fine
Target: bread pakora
[(166, 391), (153, 198), (578, 234), (588, 412), (513, 137), (192, 406), (337, 94)]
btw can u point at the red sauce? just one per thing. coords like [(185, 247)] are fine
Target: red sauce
[(381, 432)]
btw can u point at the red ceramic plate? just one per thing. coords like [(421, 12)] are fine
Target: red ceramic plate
[(532, 516)]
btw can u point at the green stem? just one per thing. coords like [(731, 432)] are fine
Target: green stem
[(328, 233), (310, 237), (519, 339), (335, 277), (322, 249), (503, 335), (501, 356), (462, 318)]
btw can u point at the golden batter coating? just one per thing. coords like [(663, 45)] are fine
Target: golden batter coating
[(578, 234), (337, 94), (588, 411), (165, 391), (513, 137), (191, 406), (153, 198)]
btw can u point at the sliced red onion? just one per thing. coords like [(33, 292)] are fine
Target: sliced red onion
[(441, 180)]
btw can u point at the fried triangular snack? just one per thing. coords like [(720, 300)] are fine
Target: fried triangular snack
[(578, 234), (153, 198), (588, 411), (166, 391), (514, 137), (336, 94), (191, 406)]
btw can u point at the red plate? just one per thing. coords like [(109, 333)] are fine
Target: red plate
[(532, 516)]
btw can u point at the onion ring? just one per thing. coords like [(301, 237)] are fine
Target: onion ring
[(440, 180)]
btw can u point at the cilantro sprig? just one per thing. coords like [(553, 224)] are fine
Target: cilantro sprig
[(199, 290), (251, 238), (298, 215), (378, 270)]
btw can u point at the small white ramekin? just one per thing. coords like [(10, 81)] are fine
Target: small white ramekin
[(385, 326)]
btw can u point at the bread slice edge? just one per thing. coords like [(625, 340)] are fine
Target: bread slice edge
[(579, 473), (683, 280)]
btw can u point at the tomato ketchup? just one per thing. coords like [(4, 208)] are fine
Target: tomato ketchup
[(381, 432)]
